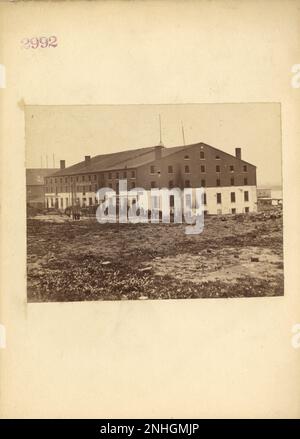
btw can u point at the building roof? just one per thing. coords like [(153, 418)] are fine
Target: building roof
[(125, 159), (35, 176)]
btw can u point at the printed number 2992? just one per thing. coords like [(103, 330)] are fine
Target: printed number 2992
[(42, 42)]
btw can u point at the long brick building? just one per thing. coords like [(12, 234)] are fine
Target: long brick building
[(229, 181)]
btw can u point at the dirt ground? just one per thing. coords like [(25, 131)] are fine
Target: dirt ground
[(235, 256)]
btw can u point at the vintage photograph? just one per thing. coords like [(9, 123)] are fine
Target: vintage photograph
[(152, 202)]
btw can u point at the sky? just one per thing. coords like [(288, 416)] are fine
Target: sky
[(71, 132)]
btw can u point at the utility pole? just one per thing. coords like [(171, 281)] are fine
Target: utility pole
[(183, 136), (160, 133)]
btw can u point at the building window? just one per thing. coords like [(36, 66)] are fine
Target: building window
[(218, 182), (218, 157), (202, 168), (171, 184), (246, 196), (52, 203), (233, 210), (219, 198), (90, 201), (247, 210), (154, 201), (170, 169), (231, 168), (132, 185), (89, 178), (109, 175), (110, 185), (187, 183), (245, 181), (204, 199), (66, 180), (245, 169), (186, 157), (71, 178), (132, 174), (90, 188), (61, 202), (232, 197), (83, 190), (153, 184), (82, 178), (124, 174), (202, 155), (95, 177), (117, 175), (187, 169), (218, 169), (152, 169), (203, 183), (232, 181)]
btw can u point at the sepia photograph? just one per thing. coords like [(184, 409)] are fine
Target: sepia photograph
[(145, 202), (149, 212)]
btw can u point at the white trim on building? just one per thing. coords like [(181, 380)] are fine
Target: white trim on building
[(218, 200)]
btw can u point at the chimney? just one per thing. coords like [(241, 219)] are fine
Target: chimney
[(62, 164), (238, 153), (157, 151), (87, 159)]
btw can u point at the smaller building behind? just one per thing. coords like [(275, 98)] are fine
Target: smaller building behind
[(269, 197), (35, 186)]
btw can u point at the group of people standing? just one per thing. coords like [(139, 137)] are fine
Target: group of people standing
[(73, 211)]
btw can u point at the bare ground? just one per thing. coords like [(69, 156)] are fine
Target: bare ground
[(235, 256)]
